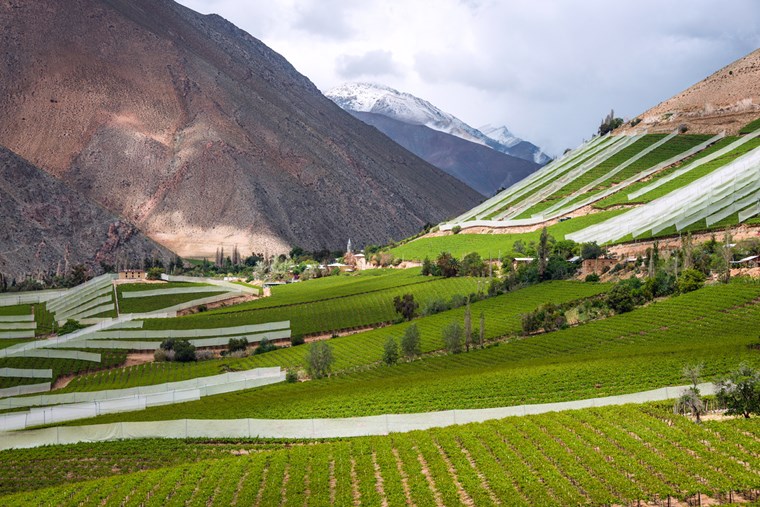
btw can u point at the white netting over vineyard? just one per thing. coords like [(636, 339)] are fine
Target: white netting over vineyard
[(684, 206), (171, 291)]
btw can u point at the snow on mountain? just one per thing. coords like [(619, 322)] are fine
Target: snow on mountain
[(405, 107), (500, 134)]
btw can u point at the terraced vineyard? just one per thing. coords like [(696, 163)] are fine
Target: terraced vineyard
[(327, 315), (598, 456), (58, 366), (502, 315), (153, 303), (713, 326)]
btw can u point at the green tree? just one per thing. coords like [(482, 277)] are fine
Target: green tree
[(154, 273), (427, 267), (690, 280), (467, 327), (609, 123), (447, 265), (406, 306), (410, 342), (740, 391), (452, 337), (482, 333), (691, 402), (390, 351), (543, 253), (591, 250), (236, 344), (620, 298), (472, 265), (319, 359)]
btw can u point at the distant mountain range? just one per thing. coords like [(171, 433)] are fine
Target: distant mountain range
[(184, 127), (373, 101)]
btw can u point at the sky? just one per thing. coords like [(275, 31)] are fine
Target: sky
[(549, 70)]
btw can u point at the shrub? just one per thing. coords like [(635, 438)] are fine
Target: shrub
[(740, 391), (390, 351), (593, 277), (690, 280), (447, 265), (236, 344), (265, 346), (204, 355), (202, 308), (154, 274), (434, 306), (184, 351), (472, 265), (297, 340), (406, 306), (456, 229), (70, 326), (319, 359), (452, 337), (620, 298), (410, 342), (160, 355), (590, 250), (291, 376), (457, 301)]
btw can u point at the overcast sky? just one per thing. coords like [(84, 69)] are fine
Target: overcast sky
[(547, 69)]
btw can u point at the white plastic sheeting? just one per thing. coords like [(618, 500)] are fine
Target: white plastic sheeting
[(55, 354), (313, 428), (14, 326), (204, 384), (16, 318), (26, 373), (171, 291), (198, 342), (82, 293), (93, 311), (695, 198), (120, 334), (31, 298), (233, 287), (530, 181), (133, 402), (709, 158), (81, 308), (750, 212), (609, 151), (21, 390), (16, 335)]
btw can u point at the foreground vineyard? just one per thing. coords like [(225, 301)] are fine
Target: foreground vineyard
[(596, 456)]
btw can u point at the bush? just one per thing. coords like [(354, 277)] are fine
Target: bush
[(265, 346), (434, 306), (319, 359), (182, 350), (452, 337), (447, 265), (472, 265), (70, 326), (427, 267), (154, 274), (740, 391), (406, 306), (291, 377), (457, 301), (390, 351), (620, 298), (236, 344), (204, 355), (548, 317), (410, 342), (456, 229), (297, 340), (590, 250), (593, 277), (690, 280), (161, 355)]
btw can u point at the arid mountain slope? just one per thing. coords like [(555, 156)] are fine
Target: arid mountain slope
[(726, 100), (482, 168), (199, 133), (47, 226)]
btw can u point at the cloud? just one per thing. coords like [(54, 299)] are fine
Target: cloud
[(326, 18), (547, 69), (371, 63)]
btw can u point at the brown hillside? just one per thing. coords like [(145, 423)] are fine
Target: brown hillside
[(726, 100), (47, 226), (199, 133)]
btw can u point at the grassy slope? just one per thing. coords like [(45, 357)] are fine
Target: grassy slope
[(491, 245), (644, 349)]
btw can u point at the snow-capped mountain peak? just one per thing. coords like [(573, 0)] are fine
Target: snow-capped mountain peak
[(405, 107)]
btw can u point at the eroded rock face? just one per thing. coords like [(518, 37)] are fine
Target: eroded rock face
[(46, 226), (726, 100), (199, 134)]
